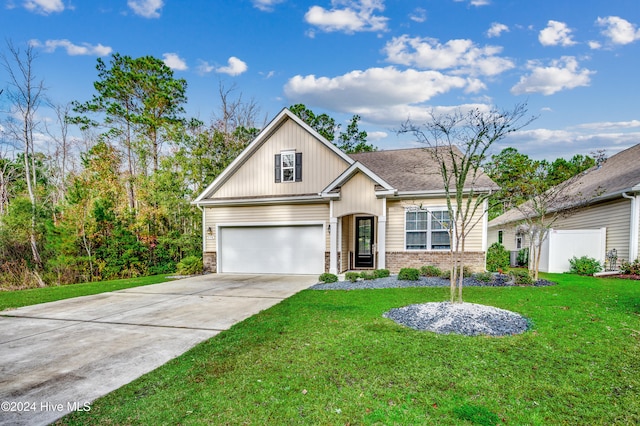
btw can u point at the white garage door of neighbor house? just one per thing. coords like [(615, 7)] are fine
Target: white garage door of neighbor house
[(272, 249)]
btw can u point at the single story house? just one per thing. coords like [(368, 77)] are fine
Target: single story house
[(610, 199), (292, 202)]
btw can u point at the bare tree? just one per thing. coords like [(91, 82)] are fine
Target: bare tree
[(63, 149), (545, 207), (25, 95), (459, 143)]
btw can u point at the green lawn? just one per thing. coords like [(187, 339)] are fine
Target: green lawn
[(16, 299), (329, 357)]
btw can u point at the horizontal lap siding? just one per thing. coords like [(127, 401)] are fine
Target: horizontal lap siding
[(615, 216), (396, 219), (286, 214)]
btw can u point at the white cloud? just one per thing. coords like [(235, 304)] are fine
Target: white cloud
[(175, 62), (418, 15), (372, 90), (556, 33), (480, 2), (461, 56), (618, 30), (44, 7), (553, 143), (204, 67), (376, 135), (50, 46), (607, 125), (497, 29), (146, 8), (235, 67), (594, 45), (348, 16), (266, 5), (561, 74)]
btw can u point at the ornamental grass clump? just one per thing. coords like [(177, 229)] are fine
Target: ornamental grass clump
[(352, 276)]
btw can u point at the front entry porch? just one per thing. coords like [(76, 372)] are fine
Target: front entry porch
[(359, 243)]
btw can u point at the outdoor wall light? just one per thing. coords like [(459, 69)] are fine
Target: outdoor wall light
[(209, 231)]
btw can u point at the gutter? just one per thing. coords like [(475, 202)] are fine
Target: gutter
[(634, 225)]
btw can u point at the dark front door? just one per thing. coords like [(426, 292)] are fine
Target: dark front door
[(364, 242)]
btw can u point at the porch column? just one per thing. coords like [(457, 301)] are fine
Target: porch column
[(382, 236), (333, 241), (333, 245)]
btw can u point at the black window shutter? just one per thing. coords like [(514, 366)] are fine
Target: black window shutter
[(278, 168), (298, 167)]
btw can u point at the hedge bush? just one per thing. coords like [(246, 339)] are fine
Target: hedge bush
[(521, 277), (190, 265), (630, 268), (352, 276), (409, 274), (367, 275), (584, 266), (497, 257), (485, 277), (328, 278), (430, 271), (381, 273)]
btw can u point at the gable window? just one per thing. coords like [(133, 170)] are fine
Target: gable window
[(288, 166), (427, 229)]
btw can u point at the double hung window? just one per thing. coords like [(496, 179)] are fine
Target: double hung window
[(427, 229)]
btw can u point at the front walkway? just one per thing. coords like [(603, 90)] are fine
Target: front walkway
[(60, 356)]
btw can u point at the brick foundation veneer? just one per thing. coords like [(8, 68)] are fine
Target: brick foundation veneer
[(327, 260), (210, 261), (406, 259)]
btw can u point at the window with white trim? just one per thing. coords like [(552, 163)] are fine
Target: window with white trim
[(288, 161), (288, 166), (427, 229)]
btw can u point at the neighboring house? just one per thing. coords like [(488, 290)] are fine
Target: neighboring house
[(292, 202), (612, 194)]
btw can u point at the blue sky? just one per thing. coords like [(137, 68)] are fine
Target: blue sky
[(575, 63)]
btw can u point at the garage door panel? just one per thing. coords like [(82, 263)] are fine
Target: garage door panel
[(272, 249)]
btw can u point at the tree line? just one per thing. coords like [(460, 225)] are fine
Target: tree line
[(115, 202)]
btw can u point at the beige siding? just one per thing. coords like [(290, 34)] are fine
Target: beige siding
[(320, 166), (615, 216), (357, 195), (508, 237), (271, 214), (396, 224)]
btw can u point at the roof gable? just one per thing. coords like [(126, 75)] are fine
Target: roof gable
[(263, 137)]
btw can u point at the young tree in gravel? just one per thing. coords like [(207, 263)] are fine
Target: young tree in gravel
[(459, 142), (25, 95), (545, 207)]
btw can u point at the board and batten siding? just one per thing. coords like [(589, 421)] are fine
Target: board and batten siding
[(286, 214), (396, 224), (358, 195), (615, 216), (256, 177)]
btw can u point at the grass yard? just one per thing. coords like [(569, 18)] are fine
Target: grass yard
[(328, 357), (16, 299)]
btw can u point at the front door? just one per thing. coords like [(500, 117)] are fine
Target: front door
[(364, 242)]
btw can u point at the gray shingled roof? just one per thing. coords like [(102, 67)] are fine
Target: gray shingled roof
[(411, 169), (619, 173)]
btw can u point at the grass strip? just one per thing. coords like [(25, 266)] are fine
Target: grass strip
[(16, 299)]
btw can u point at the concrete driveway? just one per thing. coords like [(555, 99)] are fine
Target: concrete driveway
[(58, 357)]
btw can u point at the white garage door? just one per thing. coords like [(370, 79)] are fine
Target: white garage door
[(272, 249)]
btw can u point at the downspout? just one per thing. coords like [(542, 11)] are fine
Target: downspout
[(634, 225)]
